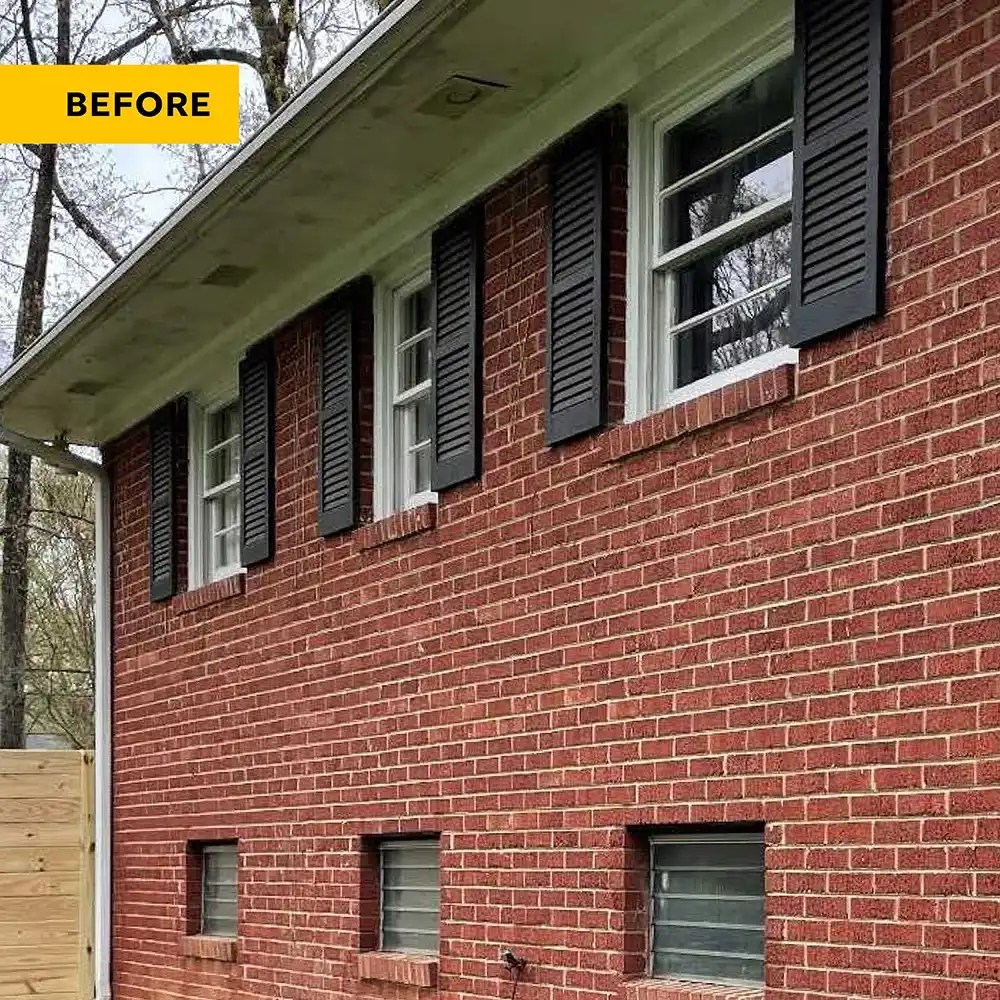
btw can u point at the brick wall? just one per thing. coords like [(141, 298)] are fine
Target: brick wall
[(781, 604)]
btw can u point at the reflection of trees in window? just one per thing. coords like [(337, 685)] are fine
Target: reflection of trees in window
[(728, 177)]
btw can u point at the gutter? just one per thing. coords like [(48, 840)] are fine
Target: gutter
[(63, 459)]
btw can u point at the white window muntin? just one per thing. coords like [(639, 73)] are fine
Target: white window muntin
[(214, 493), (651, 341)]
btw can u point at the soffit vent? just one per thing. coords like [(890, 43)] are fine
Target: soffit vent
[(227, 276), (86, 387), (458, 95)]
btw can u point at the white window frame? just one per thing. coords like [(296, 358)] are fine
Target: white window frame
[(393, 289), (200, 570), (648, 350)]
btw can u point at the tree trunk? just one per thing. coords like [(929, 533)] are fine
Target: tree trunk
[(17, 510)]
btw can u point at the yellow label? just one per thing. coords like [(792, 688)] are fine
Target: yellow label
[(120, 104)]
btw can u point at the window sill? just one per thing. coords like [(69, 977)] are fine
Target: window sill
[(215, 949), (402, 524), (679, 989), (725, 403), (211, 593), (396, 967)]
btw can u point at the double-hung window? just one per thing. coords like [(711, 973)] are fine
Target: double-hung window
[(715, 266), (215, 492), (410, 895), (706, 916), (405, 387)]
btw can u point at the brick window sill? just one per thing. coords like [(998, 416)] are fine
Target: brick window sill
[(393, 967), (727, 403), (216, 949), (402, 524), (211, 593), (678, 989)]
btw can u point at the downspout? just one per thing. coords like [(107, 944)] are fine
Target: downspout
[(63, 459)]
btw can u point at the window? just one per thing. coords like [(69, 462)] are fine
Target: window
[(410, 895), (215, 492), (405, 384), (715, 262), (707, 906), (219, 880)]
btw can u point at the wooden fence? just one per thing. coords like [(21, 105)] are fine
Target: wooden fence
[(46, 875)]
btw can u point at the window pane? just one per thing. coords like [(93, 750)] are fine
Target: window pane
[(224, 525), (223, 465), (733, 121), (732, 272), (740, 333), (717, 968), (223, 424), (422, 470), (410, 895), (758, 177), (418, 312), (708, 907), (414, 364)]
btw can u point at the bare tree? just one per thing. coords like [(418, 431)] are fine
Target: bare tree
[(67, 214)]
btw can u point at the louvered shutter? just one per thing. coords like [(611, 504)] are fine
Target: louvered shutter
[(337, 410), (257, 461), (839, 201), (577, 288), (162, 576), (457, 277)]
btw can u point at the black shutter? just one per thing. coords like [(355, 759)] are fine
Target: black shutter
[(577, 287), (457, 276), (162, 576), (257, 462), (839, 201), (337, 410)]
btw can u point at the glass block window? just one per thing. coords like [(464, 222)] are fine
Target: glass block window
[(707, 906), (411, 900), (219, 884)]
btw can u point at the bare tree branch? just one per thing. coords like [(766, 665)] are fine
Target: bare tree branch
[(150, 31), (83, 222), (223, 54)]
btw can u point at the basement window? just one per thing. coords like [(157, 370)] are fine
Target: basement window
[(712, 218), (706, 918), (409, 873), (404, 387), (215, 492), (219, 884)]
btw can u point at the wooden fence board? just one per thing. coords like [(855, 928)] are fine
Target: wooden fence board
[(40, 859), (46, 875), (34, 932)]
